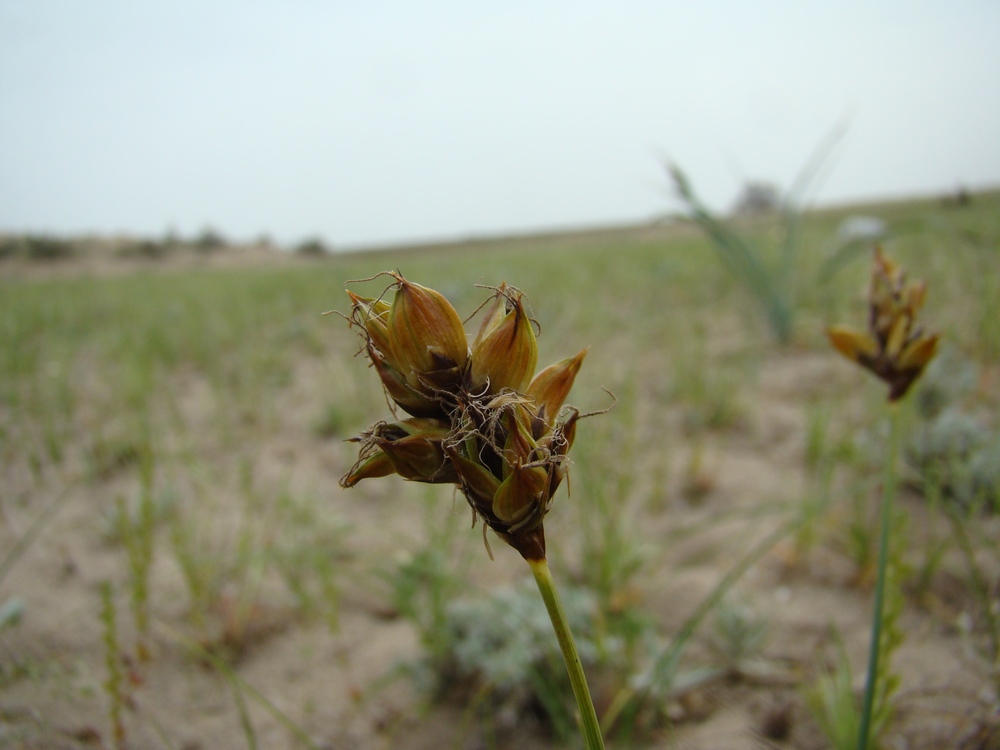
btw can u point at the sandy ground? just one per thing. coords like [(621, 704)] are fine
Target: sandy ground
[(326, 680)]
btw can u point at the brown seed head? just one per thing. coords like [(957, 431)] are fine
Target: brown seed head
[(894, 348), (480, 420)]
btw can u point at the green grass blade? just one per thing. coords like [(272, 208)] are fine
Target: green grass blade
[(239, 687), (667, 661)]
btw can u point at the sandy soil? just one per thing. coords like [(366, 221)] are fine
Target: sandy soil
[(325, 680)]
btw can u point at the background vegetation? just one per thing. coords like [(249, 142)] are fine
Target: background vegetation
[(178, 564)]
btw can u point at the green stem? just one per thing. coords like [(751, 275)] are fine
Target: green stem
[(888, 494), (547, 588)]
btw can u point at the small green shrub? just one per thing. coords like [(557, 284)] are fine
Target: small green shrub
[(8, 248), (209, 241), (312, 248), (146, 250)]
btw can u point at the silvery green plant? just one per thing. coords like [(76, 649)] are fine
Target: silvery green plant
[(952, 449)]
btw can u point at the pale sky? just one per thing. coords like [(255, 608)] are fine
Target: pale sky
[(384, 122)]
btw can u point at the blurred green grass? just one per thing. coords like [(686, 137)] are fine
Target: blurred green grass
[(239, 390), (204, 364)]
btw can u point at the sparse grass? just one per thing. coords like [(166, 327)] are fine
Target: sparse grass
[(422, 583), (139, 546), (239, 392)]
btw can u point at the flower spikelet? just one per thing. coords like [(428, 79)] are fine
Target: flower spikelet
[(895, 347), (480, 418)]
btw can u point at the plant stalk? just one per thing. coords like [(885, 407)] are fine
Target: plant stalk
[(888, 495), (547, 588)]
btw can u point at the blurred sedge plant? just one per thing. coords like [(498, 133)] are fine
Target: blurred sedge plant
[(896, 349), (771, 286), (481, 419), (771, 282)]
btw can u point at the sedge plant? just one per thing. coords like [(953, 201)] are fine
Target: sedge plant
[(770, 287), (481, 419), (896, 349), (771, 281)]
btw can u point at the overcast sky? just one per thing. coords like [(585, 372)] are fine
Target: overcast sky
[(379, 122)]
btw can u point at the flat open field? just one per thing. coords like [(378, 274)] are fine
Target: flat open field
[(179, 567)]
